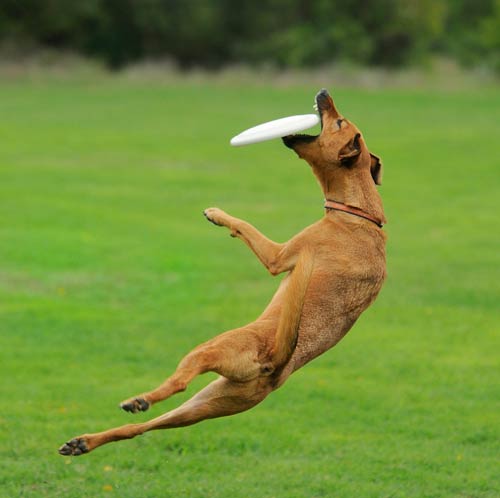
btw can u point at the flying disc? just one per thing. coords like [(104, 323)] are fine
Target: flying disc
[(275, 129)]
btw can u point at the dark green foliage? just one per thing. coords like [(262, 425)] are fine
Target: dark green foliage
[(286, 33)]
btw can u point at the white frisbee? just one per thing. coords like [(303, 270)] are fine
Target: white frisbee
[(275, 129)]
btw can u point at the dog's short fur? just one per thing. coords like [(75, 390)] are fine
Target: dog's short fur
[(335, 267)]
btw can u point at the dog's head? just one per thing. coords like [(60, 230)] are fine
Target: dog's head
[(339, 147)]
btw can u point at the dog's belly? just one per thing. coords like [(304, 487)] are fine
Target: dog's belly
[(319, 335)]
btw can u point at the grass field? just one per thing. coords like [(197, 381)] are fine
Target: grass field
[(109, 274)]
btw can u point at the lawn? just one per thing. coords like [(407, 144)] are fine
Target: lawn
[(109, 274)]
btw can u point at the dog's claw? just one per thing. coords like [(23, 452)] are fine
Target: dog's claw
[(75, 447), (211, 220), (135, 405)]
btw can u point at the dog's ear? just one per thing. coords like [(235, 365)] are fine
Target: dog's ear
[(376, 169), (350, 151), (299, 143)]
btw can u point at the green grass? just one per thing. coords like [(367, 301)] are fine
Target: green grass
[(109, 274)]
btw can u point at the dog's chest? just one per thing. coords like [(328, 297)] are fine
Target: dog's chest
[(334, 301)]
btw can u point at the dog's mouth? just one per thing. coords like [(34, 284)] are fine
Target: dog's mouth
[(324, 106), (291, 140)]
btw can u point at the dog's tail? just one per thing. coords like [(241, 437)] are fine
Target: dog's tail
[(287, 332)]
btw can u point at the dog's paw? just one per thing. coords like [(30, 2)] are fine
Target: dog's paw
[(135, 405), (76, 447), (216, 216)]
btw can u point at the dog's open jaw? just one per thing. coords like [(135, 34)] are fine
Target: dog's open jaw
[(327, 111)]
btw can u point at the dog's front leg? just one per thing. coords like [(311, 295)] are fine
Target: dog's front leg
[(275, 257)]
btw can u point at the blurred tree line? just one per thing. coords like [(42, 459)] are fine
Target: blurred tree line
[(285, 33)]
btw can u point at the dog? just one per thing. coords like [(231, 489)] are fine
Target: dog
[(336, 268)]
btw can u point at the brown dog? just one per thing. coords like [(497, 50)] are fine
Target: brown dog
[(336, 269)]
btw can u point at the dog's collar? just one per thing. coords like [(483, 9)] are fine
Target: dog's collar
[(339, 206)]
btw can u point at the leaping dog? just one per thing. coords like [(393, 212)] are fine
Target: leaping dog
[(336, 268)]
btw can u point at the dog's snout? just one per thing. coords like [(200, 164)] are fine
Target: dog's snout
[(322, 99), (322, 93), (325, 103)]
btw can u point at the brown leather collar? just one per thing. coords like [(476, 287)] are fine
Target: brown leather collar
[(339, 206)]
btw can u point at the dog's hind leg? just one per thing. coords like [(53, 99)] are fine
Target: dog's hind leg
[(234, 354), (241, 354), (249, 372), (221, 398)]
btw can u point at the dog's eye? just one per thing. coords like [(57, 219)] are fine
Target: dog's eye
[(339, 123)]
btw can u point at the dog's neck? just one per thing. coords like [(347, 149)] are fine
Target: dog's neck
[(353, 187), (331, 205), (361, 194)]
